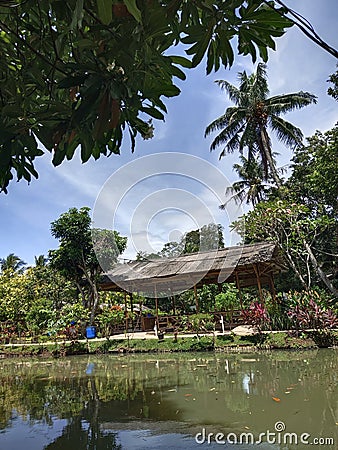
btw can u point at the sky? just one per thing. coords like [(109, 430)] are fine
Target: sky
[(172, 183)]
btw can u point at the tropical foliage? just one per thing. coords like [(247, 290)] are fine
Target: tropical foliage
[(245, 125), (12, 262), (82, 250), (82, 74), (251, 187)]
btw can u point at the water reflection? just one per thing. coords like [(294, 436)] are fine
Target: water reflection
[(127, 402)]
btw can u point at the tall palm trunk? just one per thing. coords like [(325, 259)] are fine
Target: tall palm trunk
[(268, 156)]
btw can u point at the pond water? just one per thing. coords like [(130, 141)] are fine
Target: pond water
[(285, 400)]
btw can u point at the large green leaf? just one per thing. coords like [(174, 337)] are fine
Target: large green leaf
[(153, 112), (105, 10), (133, 9)]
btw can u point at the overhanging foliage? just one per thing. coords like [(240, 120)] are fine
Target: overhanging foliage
[(81, 73)]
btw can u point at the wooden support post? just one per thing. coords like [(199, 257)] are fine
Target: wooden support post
[(132, 310), (174, 305), (140, 314), (256, 269), (156, 307), (196, 299), (126, 311), (239, 289)]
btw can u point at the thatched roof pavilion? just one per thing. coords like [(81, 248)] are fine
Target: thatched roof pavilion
[(246, 265)]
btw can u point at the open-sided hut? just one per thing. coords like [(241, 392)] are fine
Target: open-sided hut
[(245, 265)]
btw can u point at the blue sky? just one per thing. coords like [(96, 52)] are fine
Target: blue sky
[(147, 212)]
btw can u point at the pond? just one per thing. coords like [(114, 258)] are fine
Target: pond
[(279, 399)]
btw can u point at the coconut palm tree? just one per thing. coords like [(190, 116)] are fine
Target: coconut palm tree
[(12, 262), (40, 261), (246, 124), (251, 187)]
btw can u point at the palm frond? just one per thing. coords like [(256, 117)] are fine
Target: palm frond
[(237, 194), (259, 83), (232, 91), (232, 144), (234, 128), (232, 114), (248, 139), (281, 104), (287, 133)]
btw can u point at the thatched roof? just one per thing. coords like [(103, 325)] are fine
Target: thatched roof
[(169, 275)]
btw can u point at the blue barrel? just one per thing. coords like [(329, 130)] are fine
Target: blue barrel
[(90, 332)]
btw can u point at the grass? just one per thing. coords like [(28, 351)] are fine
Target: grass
[(281, 340)]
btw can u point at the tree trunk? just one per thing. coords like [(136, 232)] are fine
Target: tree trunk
[(319, 271), (294, 268), (95, 294), (84, 302), (268, 156)]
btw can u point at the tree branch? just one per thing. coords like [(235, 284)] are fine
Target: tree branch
[(305, 26), (31, 48)]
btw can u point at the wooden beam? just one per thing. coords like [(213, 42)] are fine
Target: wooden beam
[(125, 311), (132, 310), (173, 304), (156, 306), (239, 289)]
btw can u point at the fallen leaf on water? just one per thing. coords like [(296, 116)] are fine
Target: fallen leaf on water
[(276, 399), (187, 395)]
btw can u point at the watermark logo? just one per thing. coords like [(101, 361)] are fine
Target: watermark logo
[(278, 436), (161, 197)]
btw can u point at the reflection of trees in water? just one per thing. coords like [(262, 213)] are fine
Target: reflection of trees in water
[(117, 389), (80, 435)]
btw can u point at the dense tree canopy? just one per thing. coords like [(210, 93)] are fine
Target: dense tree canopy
[(301, 217), (80, 251), (77, 73), (314, 173)]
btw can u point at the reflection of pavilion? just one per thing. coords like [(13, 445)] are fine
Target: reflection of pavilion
[(244, 265)]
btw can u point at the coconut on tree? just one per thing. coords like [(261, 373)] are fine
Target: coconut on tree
[(246, 125)]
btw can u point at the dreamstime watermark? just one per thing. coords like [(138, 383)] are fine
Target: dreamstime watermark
[(161, 194), (279, 436)]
